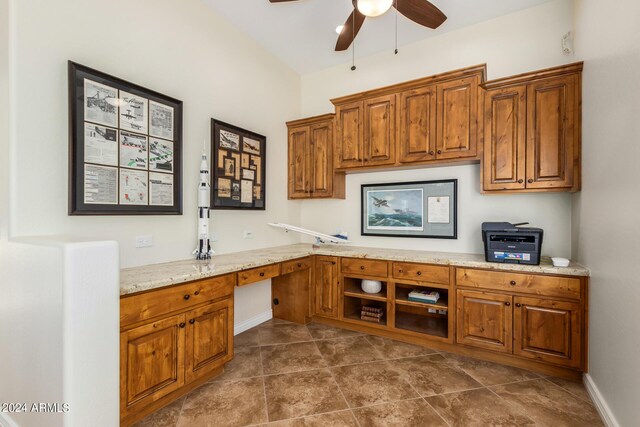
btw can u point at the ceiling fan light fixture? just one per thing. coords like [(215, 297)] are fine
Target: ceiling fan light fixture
[(339, 29), (373, 8)]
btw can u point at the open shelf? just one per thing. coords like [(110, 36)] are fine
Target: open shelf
[(429, 325), (422, 317), (353, 309), (402, 298), (352, 289)]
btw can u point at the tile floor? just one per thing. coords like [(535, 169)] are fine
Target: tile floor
[(286, 375)]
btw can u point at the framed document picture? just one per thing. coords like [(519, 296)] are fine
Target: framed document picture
[(239, 162), (410, 209), (125, 147)]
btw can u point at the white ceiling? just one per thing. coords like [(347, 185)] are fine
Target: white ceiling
[(302, 33)]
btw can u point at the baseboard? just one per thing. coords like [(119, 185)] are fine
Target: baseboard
[(252, 322), (601, 404), (7, 421)]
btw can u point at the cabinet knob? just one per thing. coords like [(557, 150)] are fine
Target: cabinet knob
[(530, 181), (512, 283), (182, 325), (299, 265), (520, 181), (196, 293), (507, 303), (186, 297), (431, 153), (518, 305), (192, 321), (262, 274), (419, 273), (362, 267), (439, 151), (333, 263)]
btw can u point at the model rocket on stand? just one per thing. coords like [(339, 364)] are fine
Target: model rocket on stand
[(203, 250)]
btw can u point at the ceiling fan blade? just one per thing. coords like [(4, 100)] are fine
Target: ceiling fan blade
[(350, 30), (280, 1), (421, 12)]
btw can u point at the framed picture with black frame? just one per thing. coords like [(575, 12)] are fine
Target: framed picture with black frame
[(125, 147), (426, 209), (239, 168)]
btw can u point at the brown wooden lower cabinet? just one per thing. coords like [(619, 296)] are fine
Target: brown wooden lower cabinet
[(209, 342), (151, 362), (165, 357), (326, 286), (484, 320), (542, 329), (548, 331)]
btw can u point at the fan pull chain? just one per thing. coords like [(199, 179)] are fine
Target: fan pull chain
[(353, 42), (395, 6)]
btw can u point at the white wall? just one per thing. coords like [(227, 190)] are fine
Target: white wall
[(523, 41), (606, 226), (181, 49)]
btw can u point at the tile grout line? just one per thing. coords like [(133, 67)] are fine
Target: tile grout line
[(336, 382), (436, 411), (264, 386), (568, 391), (181, 409), (522, 411)]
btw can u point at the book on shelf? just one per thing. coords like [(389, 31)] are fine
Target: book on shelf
[(421, 295), (371, 314)]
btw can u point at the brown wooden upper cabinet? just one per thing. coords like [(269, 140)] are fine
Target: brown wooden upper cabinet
[(457, 118), (532, 131), (366, 133), (311, 174), (420, 121), (417, 127)]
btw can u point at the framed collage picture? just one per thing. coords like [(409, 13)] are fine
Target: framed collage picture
[(125, 154), (410, 209), (239, 161)]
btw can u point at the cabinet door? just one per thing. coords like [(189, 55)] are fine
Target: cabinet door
[(209, 338), (326, 286), (503, 166), (551, 133), (151, 362), (380, 131), (484, 320), (417, 126), (548, 331), (349, 140), (322, 159), (457, 118), (299, 151)]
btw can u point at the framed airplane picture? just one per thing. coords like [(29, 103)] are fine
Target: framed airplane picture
[(425, 209), (125, 145)]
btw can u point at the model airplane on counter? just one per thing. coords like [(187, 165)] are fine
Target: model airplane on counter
[(320, 237)]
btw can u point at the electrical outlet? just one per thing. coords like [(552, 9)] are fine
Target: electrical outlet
[(144, 241), (248, 234), (214, 237)]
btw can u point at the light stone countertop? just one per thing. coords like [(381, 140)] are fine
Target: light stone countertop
[(147, 277)]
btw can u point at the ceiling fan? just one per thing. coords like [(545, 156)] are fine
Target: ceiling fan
[(419, 11)]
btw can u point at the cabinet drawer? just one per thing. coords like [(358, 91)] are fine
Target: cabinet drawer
[(296, 265), (366, 267), (257, 274), (552, 286), (148, 305), (421, 272)]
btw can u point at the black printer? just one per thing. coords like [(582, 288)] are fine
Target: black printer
[(510, 243)]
